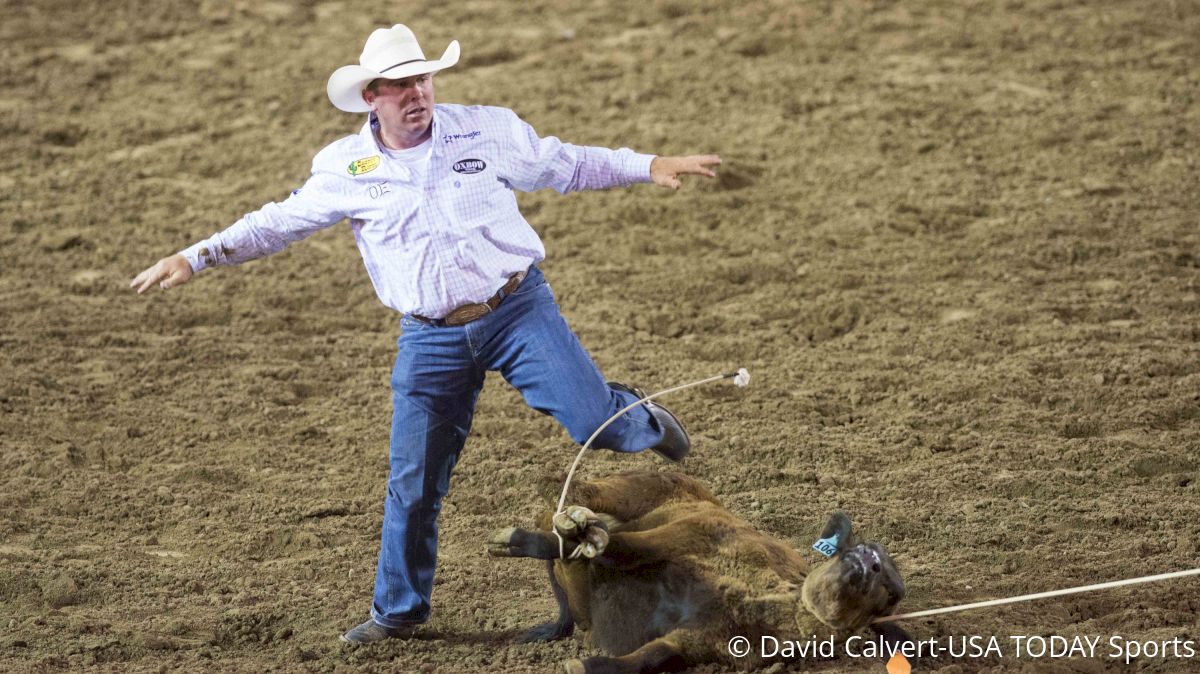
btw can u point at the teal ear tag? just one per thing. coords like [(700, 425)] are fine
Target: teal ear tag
[(827, 546)]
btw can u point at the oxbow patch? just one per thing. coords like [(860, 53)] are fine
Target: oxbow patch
[(469, 166), (364, 165)]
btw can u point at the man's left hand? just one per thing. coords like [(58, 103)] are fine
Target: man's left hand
[(665, 171)]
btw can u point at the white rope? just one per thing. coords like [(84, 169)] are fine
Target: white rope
[(741, 378), (1039, 595)]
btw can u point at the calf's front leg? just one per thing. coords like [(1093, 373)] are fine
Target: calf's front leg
[(514, 542), (580, 532), (561, 628)]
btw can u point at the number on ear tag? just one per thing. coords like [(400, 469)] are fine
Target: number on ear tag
[(827, 546)]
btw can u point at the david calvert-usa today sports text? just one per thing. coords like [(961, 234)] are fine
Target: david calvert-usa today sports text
[(1113, 648)]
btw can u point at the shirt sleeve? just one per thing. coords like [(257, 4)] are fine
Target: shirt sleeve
[(271, 228), (535, 163)]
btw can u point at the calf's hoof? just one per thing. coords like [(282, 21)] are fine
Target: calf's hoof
[(595, 540), (575, 667), (499, 544), (573, 521), (584, 528)]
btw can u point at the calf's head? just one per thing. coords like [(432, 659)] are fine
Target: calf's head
[(859, 582)]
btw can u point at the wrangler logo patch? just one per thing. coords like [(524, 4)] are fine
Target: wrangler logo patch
[(364, 165), (469, 166)]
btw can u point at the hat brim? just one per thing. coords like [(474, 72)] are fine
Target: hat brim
[(346, 83)]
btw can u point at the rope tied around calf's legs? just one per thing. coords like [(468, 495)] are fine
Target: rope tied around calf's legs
[(741, 378)]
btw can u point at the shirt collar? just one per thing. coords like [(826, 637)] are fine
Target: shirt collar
[(372, 126)]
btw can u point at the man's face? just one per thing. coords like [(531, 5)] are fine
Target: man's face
[(404, 106)]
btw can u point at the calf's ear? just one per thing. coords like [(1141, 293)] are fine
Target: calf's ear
[(839, 526)]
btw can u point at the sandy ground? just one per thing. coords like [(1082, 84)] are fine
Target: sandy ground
[(955, 243)]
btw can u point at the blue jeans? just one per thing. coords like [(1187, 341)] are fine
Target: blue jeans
[(437, 378)]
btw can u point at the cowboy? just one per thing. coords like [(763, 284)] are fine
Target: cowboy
[(429, 192)]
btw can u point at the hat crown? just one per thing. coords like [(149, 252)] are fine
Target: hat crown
[(391, 53), (388, 47)]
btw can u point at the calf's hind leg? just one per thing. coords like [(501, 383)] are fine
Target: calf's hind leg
[(628, 496), (631, 549), (661, 655)]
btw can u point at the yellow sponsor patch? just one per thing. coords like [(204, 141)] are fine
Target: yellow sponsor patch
[(364, 165)]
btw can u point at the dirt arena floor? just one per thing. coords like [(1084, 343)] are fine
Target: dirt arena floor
[(955, 243)]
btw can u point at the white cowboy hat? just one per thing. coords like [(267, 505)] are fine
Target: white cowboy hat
[(391, 53)]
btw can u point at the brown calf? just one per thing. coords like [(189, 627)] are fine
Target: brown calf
[(665, 576)]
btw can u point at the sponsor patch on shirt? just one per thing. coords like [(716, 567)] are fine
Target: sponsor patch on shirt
[(451, 137), (364, 165), (469, 166)]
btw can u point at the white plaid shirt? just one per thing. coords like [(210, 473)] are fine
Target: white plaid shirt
[(430, 247)]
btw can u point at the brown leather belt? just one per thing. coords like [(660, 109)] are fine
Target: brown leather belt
[(473, 312)]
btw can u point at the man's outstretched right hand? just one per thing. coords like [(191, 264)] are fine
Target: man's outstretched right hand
[(167, 273)]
